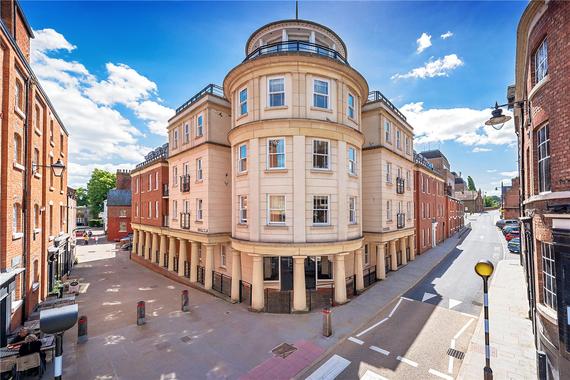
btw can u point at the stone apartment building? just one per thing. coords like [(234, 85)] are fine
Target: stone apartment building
[(542, 117), (118, 207), (34, 246), (510, 200)]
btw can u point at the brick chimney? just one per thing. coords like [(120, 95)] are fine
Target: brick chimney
[(123, 180)]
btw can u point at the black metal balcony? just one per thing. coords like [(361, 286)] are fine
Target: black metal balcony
[(185, 183), (400, 185), (400, 220), (377, 96), (211, 89), (185, 220), (296, 46)]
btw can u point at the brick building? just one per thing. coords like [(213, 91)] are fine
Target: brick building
[(33, 199), (119, 207), (472, 200), (542, 122), (455, 215), (510, 200)]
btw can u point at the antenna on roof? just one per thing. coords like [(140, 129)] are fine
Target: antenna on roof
[(296, 9)]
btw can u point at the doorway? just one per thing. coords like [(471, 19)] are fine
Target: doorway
[(286, 273)]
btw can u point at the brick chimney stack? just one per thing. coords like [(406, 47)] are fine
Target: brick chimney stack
[(123, 180)]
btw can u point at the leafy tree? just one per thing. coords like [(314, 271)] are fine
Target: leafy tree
[(491, 201), (99, 184), (81, 196), (471, 184)]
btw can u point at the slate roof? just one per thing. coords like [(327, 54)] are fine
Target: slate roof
[(459, 180), (468, 195), (432, 153), (116, 197)]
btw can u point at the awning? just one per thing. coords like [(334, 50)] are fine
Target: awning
[(7, 276)]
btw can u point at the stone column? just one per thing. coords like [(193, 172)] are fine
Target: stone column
[(380, 262), (182, 257), (339, 279), (171, 252), (403, 247), (236, 274), (393, 255), (299, 288), (147, 246), (412, 247), (209, 266), (135, 241), (257, 301), (194, 261), (162, 250), (359, 269), (154, 247), (140, 250)]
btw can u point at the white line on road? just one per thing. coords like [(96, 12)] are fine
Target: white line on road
[(407, 299), (371, 327), (330, 369), (468, 315), (407, 361), (439, 374), (456, 336), (380, 350), (395, 307), (369, 375), (450, 363), (357, 341)]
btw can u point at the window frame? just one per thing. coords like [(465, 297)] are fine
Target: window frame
[(242, 102), (199, 170), (186, 130), (223, 256), (242, 161), (541, 62), (175, 138), (327, 210), (352, 163), (326, 156), (544, 174), (352, 210), (325, 96), (350, 111), (388, 172), (268, 155), (389, 216), (387, 131), (549, 296), (270, 209), (269, 92), (199, 210), (199, 125), (242, 209), (366, 255)]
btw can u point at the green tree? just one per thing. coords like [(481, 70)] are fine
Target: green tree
[(99, 184), (491, 201), (471, 184), (81, 196)]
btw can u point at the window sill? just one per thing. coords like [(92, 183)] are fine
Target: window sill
[(62, 154), (327, 110), (52, 143), (323, 171), (242, 225), (198, 136), (352, 119), (17, 235), (50, 238), (199, 221), (322, 226), (16, 305), (276, 226), (37, 175), (19, 112), (19, 167), (547, 312), (35, 286), (276, 170), (242, 116), (275, 108), (51, 188), (353, 175), (199, 181), (37, 230), (37, 131), (538, 86), (61, 192), (352, 225), (239, 174)]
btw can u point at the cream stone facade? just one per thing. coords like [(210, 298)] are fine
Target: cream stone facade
[(268, 194)]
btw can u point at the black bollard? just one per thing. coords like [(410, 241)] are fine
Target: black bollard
[(140, 313), (82, 329), (185, 301), (327, 322)]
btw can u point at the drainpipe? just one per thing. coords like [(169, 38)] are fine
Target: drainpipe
[(25, 203)]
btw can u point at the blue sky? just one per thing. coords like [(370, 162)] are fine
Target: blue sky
[(116, 70)]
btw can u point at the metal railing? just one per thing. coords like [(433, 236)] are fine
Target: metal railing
[(400, 185), (175, 266), (245, 292), (165, 263), (211, 89), (369, 276), (201, 274), (296, 46), (222, 283), (350, 286), (185, 220), (400, 220), (186, 269), (375, 96), (164, 189), (185, 183)]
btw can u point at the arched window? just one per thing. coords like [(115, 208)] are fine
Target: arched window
[(17, 148)]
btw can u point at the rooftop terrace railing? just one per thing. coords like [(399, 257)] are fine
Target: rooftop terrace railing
[(375, 96), (211, 89), (296, 46)]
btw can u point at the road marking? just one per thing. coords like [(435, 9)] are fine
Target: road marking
[(428, 296), (330, 369), (456, 336), (394, 309), (407, 361), (369, 375), (468, 315), (439, 374), (378, 349), (407, 299), (371, 327), (357, 341), (450, 363), (453, 303)]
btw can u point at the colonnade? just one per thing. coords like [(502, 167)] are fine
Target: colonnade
[(403, 243)]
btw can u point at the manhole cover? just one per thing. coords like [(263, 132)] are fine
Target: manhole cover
[(186, 339), (456, 354), (283, 350), (476, 303)]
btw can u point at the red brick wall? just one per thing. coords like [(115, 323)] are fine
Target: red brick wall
[(114, 220), (22, 36), (511, 201), (123, 181), (142, 196), (435, 198)]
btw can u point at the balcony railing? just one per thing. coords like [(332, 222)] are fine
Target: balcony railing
[(400, 185), (400, 220), (211, 89), (375, 96), (164, 220), (165, 190), (185, 183), (185, 220), (296, 46)]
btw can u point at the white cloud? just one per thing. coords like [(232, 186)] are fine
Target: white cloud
[(491, 170), (463, 125), (438, 68), (480, 150), (514, 173), (423, 42), (446, 35), (100, 135)]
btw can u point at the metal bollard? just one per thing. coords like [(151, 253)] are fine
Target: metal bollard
[(140, 313), (541, 365), (185, 301), (327, 324), (82, 329)]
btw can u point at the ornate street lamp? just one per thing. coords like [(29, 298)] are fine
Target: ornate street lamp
[(484, 268), (497, 120), (58, 167)]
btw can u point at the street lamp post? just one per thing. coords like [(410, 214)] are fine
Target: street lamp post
[(484, 268), (58, 167)]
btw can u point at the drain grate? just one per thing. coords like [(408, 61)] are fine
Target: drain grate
[(476, 303), (186, 339), (283, 350), (456, 354)]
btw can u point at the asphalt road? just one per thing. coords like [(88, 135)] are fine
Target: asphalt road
[(412, 337)]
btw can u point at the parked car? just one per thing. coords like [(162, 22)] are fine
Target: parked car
[(501, 223), (515, 245), (127, 246), (511, 235), (511, 228)]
